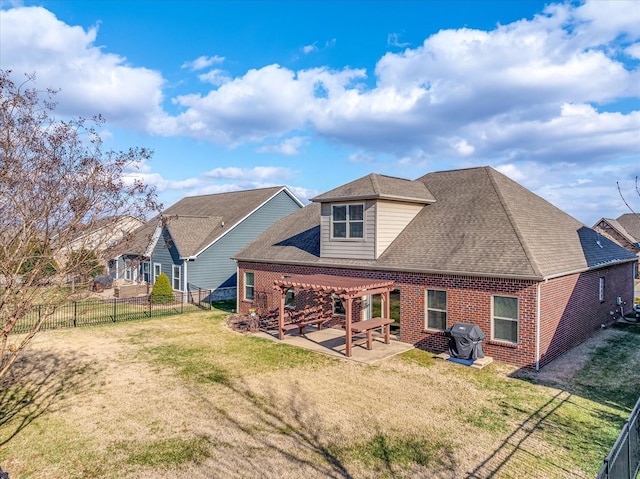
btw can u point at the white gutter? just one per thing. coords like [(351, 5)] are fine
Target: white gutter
[(186, 279)]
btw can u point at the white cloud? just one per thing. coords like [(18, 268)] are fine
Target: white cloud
[(215, 77), (203, 62), (289, 146), (361, 157), (393, 39), (310, 48), (521, 96), (255, 174), (633, 51), (66, 58)]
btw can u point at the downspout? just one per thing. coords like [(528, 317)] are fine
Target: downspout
[(185, 291), (537, 326)]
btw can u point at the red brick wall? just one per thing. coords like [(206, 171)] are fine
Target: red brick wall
[(570, 310)]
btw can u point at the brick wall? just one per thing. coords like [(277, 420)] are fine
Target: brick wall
[(569, 314), (570, 309)]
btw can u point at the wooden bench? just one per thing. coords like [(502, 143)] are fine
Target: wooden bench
[(369, 326), (311, 317)]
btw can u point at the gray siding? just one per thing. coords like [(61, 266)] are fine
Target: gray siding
[(167, 255), (348, 248), (393, 217), (214, 266)]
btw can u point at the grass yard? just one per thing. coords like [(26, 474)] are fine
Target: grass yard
[(185, 397)]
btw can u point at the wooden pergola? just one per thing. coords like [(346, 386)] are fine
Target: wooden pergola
[(347, 289)]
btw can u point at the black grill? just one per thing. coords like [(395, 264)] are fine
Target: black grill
[(465, 341)]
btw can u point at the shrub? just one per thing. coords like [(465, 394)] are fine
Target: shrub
[(162, 292)]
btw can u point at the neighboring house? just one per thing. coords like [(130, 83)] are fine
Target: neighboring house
[(468, 246), (100, 236), (625, 230), (192, 242)]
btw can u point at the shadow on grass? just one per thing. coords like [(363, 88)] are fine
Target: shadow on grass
[(605, 380), (284, 436), (608, 376), (280, 425), (38, 383)]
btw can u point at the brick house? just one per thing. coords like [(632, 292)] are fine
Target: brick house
[(624, 230), (466, 246)]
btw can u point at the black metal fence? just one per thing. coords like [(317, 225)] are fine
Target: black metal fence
[(624, 459), (92, 312)]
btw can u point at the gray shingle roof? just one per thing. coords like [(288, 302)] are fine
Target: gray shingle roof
[(482, 223), (197, 221), (379, 186), (631, 224)]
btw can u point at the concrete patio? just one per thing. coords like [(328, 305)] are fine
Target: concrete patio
[(331, 341)]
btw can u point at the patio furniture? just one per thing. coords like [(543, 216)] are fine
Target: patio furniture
[(369, 326)]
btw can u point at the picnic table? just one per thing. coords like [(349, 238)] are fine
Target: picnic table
[(369, 326)]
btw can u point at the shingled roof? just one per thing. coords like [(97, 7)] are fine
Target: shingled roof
[(630, 222), (481, 223), (195, 222), (376, 186)]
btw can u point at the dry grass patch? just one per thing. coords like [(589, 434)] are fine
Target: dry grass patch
[(187, 397)]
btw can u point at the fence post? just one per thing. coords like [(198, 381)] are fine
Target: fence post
[(114, 309), (75, 313)]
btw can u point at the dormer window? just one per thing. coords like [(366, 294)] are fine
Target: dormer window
[(348, 221)]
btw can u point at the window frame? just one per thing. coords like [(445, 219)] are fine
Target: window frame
[(157, 271), (335, 302), (248, 285), (347, 221), (146, 267), (502, 318), (174, 277), (601, 288), (427, 308), (290, 298)]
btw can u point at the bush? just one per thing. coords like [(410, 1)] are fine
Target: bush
[(162, 292)]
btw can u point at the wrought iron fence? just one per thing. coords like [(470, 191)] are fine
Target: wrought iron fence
[(623, 461), (91, 312)]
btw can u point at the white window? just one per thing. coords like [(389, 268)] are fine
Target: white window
[(601, 290), (127, 273), (338, 306), (145, 272), (505, 318), (436, 309), (157, 271), (176, 277), (248, 286), (347, 221), (290, 298)]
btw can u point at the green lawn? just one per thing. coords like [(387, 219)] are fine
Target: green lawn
[(184, 396)]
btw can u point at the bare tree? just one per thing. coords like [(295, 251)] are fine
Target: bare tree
[(55, 181), (628, 205)]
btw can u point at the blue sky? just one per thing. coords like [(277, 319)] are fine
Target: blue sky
[(246, 94)]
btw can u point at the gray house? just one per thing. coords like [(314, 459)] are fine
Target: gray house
[(192, 242)]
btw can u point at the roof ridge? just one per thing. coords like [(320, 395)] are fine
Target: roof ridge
[(374, 183), (527, 251)]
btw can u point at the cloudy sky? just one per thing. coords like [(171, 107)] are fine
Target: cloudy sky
[(313, 94)]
